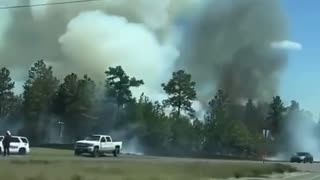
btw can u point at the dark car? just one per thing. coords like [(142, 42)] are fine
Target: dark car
[(302, 157)]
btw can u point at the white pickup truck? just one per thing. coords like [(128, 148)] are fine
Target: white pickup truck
[(97, 145)]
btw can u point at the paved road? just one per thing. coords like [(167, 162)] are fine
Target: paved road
[(312, 171), (309, 172)]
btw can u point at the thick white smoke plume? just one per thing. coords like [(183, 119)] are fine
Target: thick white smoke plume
[(112, 40), (139, 35), (224, 44)]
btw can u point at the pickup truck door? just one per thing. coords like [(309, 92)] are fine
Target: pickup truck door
[(103, 144), (109, 143)]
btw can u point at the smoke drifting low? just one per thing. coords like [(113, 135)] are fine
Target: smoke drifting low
[(303, 136)]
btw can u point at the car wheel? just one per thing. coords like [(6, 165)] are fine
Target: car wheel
[(22, 151), (95, 152)]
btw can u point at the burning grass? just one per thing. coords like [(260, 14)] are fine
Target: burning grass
[(63, 165)]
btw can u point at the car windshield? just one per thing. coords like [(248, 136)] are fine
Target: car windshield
[(92, 138), (1, 138), (301, 154)]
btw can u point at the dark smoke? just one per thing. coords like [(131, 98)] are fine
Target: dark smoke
[(28, 40), (228, 47)]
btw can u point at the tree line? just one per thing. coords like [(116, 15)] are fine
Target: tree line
[(84, 108)]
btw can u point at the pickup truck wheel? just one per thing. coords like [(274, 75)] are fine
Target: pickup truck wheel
[(95, 152), (118, 150)]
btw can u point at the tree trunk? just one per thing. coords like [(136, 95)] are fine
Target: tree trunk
[(179, 105)]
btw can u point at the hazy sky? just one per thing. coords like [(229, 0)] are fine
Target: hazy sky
[(301, 79)]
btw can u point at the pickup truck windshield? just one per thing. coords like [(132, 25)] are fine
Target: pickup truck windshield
[(92, 138)]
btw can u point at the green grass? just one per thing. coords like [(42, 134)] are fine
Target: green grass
[(44, 164)]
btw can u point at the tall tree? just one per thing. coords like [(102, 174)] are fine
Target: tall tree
[(67, 94), (118, 85), (39, 92), (237, 137), (251, 117), (86, 93), (74, 101), (216, 121), (6, 93), (218, 108), (181, 139), (154, 126), (276, 114), (181, 92), (294, 106), (198, 135)]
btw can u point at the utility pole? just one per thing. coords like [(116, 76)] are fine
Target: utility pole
[(61, 124), (265, 133)]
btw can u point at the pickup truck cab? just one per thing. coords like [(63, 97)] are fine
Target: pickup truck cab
[(97, 145)]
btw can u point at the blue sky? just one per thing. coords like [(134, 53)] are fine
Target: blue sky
[(301, 79)]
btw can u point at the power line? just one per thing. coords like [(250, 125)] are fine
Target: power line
[(47, 4)]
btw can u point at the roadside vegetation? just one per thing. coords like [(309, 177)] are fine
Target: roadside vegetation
[(62, 165)]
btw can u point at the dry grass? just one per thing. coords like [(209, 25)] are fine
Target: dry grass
[(61, 165)]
